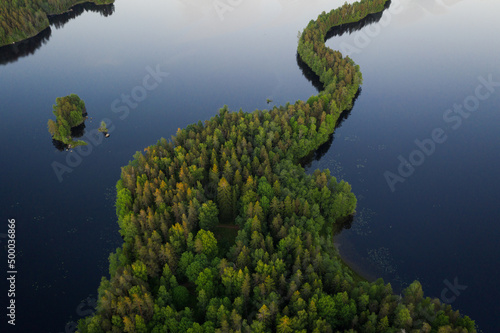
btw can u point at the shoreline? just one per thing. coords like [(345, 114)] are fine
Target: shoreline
[(347, 254), (27, 39), (49, 15), (70, 9)]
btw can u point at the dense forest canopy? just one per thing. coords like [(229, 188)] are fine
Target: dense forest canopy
[(225, 232), (21, 19)]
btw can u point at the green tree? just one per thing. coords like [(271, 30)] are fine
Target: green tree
[(383, 324), (139, 270), (102, 127), (123, 202), (206, 243), (140, 325), (64, 132), (206, 281), (52, 127), (284, 325), (414, 293), (264, 314), (209, 216), (403, 318), (225, 201), (265, 189)]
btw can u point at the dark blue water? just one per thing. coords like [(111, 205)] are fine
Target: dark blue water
[(438, 225)]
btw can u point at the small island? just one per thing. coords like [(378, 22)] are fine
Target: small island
[(70, 112), (103, 129)]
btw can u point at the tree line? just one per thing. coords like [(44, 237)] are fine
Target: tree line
[(22, 19), (178, 201)]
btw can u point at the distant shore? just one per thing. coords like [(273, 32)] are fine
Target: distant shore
[(38, 27)]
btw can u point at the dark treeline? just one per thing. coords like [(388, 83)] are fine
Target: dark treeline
[(58, 21), (12, 53), (22, 19), (317, 154), (339, 30), (308, 73), (236, 179)]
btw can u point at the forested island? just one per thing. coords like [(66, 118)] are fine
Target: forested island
[(225, 232), (70, 112), (22, 19)]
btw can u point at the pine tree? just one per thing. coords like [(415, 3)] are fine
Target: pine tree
[(52, 126), (225, 201), (205, 243), (209, 215)]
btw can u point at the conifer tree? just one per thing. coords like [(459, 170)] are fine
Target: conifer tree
[(225, 201)]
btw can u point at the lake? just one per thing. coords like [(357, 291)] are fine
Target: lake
[(149, 68)]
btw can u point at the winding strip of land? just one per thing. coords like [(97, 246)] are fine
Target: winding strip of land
[(277, 270)]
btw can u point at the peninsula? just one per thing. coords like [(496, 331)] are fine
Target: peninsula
[(235, 179)]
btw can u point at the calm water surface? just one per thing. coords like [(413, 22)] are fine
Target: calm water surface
[(440, 224)]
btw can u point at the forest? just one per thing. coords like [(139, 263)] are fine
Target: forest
[(22, 19), (224, 231), (70, 112)]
